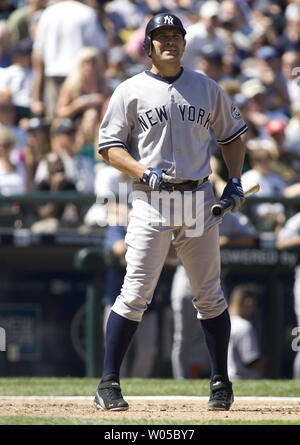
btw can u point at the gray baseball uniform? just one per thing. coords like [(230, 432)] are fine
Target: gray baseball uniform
[(167, 124), (291, 229)]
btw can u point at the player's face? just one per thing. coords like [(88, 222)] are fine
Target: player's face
[(167, 45)]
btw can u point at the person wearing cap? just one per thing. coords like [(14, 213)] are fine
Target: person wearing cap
[(256, 111), (210, 63), (38, 145), (272, 78), (79, 169), (205, 32), (157, 129), (18, 78)]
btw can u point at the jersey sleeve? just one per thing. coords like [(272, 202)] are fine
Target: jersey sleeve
[(226, 122), (114, 128)]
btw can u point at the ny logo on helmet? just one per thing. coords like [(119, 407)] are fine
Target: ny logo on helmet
[(168, 20)]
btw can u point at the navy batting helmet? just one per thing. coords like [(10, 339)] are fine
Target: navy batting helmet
[(158, 21)]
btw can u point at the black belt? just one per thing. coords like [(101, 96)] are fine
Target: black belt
[(182, 186)]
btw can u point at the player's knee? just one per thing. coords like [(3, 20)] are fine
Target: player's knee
[(133, 309)]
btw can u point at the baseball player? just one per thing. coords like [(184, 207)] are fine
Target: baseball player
[(157, 129)]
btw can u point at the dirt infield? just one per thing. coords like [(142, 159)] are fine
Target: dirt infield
[(193, 409)]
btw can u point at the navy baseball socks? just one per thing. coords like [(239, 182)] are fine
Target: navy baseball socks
[(217, 332), (119, 332)]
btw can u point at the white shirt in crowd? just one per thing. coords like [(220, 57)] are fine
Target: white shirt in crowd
[(19, 81), (13, 182), (78, 169), (271, 184), (63, 29)]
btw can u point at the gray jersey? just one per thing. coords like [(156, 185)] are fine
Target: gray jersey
[(243, 349), (165, 124), (291, 229)]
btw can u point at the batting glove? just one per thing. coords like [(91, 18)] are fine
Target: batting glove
[(153, 177), (234, 190)]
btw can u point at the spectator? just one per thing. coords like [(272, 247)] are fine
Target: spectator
[(63, 29), (261, 159), (85, 87), (245, 359), (19, 20), (110, 184), (5, 43), (18, 78), (289, 238), (290, 37), (292, 132), (267, 216), (6, 8), (38, 145), (285, 162), (277, 97), (234, 22), (120, 60), (210, 63), (235, 230), (205, 33), (127, 14), (87, 134), (256, 110), (266, 21), (134, 47), (290, 67), (8, 118), (78, 169), (55, 215), (12, 177)]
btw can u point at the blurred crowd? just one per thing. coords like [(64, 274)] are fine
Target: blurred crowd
[(60, 61)]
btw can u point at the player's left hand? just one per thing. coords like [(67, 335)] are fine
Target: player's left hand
[(235, 191)]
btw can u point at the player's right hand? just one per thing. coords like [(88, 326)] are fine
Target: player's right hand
[(153, 177), (235, 191)]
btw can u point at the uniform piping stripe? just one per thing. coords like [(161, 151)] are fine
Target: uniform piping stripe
[(234, 136), (111, 144)]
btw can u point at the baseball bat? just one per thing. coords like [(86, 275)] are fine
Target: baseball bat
[(225, 205)]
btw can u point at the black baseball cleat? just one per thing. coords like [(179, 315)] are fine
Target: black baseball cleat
[(109, 397), (221, 395)]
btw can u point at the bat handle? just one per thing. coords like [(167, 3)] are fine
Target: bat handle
[(223, 207)]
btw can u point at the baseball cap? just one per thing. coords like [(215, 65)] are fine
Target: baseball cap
[(252, 87), (266, 52), (66, 126), (275, 126), (210, 52), (209, 9)]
